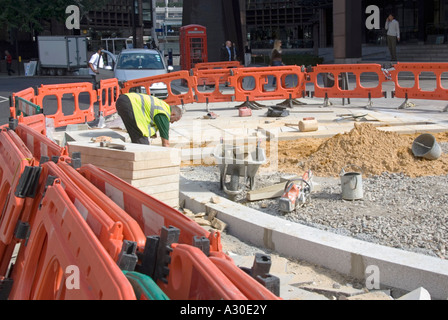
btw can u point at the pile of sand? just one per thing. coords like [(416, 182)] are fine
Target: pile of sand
[(373, 150)]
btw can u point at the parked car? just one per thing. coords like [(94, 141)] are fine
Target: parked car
[(133, 64)]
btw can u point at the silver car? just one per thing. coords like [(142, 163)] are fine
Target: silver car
[(133, 64)]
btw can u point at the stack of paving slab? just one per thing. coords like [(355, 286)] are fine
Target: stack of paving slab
[(151, 169)]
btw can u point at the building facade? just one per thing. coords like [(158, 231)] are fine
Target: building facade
[(295, 22), (168, 23), (302, 23)]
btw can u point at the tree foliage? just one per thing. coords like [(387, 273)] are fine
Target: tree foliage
[(27, 15)]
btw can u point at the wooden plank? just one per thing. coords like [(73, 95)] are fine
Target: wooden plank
[(271, 192)]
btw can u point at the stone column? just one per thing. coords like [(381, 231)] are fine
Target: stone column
[(347, 24)]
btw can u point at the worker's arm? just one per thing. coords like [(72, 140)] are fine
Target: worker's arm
[(91, 62), (163, 123), (92, 68)]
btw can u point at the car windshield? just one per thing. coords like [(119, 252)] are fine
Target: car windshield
[(147, 61)]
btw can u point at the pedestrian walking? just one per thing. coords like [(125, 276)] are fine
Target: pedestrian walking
[(276, 54), (8, 59), (276, 57)]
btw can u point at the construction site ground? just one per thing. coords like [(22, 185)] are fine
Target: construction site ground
[(315, 262), (327, 249)]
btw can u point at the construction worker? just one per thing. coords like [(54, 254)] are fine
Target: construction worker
[(143, 115)]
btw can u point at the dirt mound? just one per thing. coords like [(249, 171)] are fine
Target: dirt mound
[(373, 150)]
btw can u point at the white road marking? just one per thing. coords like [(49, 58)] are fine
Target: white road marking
[(3, 99)]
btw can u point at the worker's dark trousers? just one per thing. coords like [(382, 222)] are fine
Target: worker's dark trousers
[(126, 112), (392, 44)]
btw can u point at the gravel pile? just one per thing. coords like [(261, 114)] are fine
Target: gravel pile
[(396, 211)]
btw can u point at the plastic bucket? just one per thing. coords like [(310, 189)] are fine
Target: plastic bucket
[(426, 146), (351, 183)]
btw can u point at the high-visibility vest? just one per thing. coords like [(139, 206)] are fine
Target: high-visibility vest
[(145, 108)]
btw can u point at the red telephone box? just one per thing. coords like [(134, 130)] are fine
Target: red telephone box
[(193, 46)]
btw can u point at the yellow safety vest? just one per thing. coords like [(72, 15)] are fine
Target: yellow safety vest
[(145, 108)]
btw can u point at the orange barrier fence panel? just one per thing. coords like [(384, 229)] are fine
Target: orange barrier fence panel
[(14, 160), (336, 90), (38, 144), (150, 213), (64, 260), (73, 90), (222, 66), (108, 93), (109, 232), (211, 78), (192, 276), (27, 94), (18, 182), (182, 95), (250, 287), (36, 122), (217, 65), (252, 84), (131, 229), (436, 70)]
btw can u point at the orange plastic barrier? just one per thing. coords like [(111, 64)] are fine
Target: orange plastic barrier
[(192, 276), (415, 92), (250, 287), (108, 94), (337, 71), (74, 90), (131, 229), (109, 232), (39, 144), (64, 260), (260, 80), (211, 77), (27, 94), (183, 80), (150, 213), (217, 65), (36, 122), (14, 160), (18, 179)]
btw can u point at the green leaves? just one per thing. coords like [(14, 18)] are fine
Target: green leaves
[(28, 15)]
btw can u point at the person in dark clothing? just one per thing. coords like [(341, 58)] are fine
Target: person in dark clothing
[(276, 57), (228, 52), (8, 58), (276, 54)]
